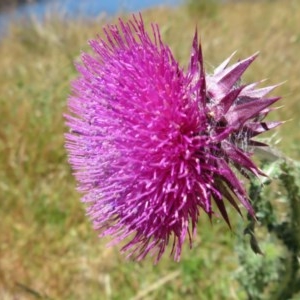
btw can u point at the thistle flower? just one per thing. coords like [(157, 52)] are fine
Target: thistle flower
[(153, 145)]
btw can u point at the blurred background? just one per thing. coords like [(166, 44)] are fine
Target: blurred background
[(48, 249), (11, 10)]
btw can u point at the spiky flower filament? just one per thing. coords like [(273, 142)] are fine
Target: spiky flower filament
[(152, 145)]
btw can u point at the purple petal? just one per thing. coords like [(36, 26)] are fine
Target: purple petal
[(253, 129), (229, 76), (239, 114), (240, 158), (223, 65), (226, 102)]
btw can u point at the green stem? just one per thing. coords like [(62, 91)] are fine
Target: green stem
[(289, 233)]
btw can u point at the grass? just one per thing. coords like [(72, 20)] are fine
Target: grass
[(47, 247)]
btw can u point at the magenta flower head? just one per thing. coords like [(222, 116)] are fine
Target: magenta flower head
[(153, 145)]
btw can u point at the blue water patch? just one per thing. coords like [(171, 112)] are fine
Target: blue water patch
[(82, 8)]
